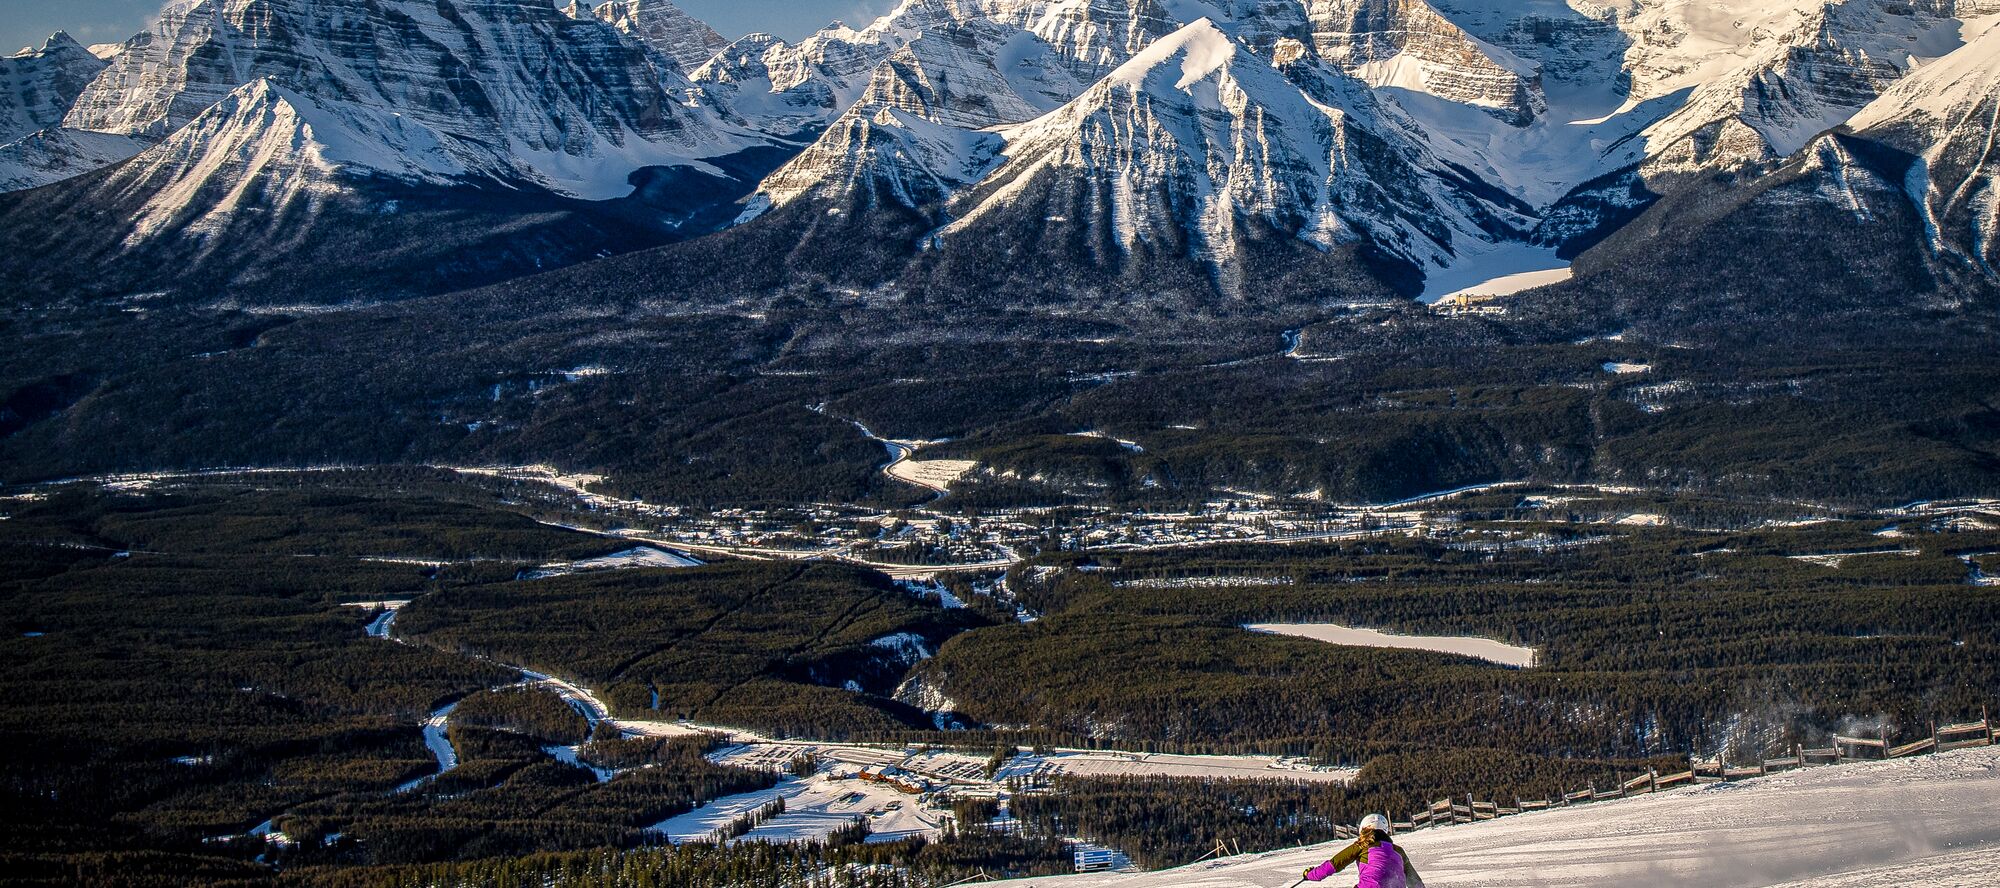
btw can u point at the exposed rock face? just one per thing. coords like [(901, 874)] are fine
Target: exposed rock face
[(38, 86), (1568, 47), (1946, 116), (262, 146), (509, 89), (920, 129), (1196, 140), (1802, 73), (37, 89), (1408, 44), (788, 89), (682, 38), (1091, 36), (915, 132), (1406, 131), (55, 154)]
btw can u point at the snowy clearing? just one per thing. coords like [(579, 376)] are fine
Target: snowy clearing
[(969, 770), (930, 474), (1836, 559), (936, 474), (1135, 764), (1931, 820), (640, 556), (1621, 368), (1642, 519), (1503, 271), (1129, 446), (1483, 648), (814, 808), (1978, 576)]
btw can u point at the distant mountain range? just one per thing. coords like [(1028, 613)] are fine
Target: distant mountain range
[(1226, 150)]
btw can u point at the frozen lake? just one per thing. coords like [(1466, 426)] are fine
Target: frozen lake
[(1332, 633)]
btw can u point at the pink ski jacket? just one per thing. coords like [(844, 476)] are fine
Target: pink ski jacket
[(1383, 866)]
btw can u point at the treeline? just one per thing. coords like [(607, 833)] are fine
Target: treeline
[(910, 863), (757, 644), (528, 710), (507, 797), (1882, 411), (413, 514), (1168, 821), (192, 696), (1649, 641)]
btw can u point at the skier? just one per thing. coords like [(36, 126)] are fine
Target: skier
[(1383, 865)]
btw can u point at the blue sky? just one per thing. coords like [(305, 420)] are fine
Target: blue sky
[(25, 22)]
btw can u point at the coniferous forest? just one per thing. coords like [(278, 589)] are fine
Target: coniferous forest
[(194, 663)]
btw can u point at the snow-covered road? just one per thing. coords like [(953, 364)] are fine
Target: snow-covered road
[(1932, 821), (437, 739)]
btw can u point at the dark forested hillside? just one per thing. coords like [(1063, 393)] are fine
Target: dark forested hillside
[(718, 406), (763, 645), (1647, 642)]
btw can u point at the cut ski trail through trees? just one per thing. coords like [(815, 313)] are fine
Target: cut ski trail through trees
[(1468, 646), (1931, 820)]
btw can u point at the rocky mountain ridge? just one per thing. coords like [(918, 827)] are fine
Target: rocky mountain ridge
[(1433, 134)]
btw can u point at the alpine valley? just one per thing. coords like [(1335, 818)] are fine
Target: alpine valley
[(452, 442)]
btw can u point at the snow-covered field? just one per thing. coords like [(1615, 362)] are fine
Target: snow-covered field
[(814, 808), (639, 556), (936, 474), (1133, 764), (1331, 633), (1836, 559), (1930, 821), (1502, 271), (945, 766)]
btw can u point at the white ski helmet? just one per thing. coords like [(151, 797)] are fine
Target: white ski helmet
[(1375, 822)]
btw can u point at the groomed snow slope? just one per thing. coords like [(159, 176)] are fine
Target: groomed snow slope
[(1932, 821)]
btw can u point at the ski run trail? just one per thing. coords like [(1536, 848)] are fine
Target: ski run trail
[(1930, 821)]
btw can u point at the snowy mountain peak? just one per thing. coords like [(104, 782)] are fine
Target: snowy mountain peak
[(515, 91), (1948, 88), (688, 41), (1410, 45), (1201, 49), (37, 86), (1802, 70), (1198, 141), (264, 147), (60, 41), (1946, 116)]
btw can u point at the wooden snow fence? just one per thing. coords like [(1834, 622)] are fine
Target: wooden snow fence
[(1944, 738), (1979, 733), (1863, 748)]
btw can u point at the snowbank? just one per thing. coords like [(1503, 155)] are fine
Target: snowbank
[(1931, 821)]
